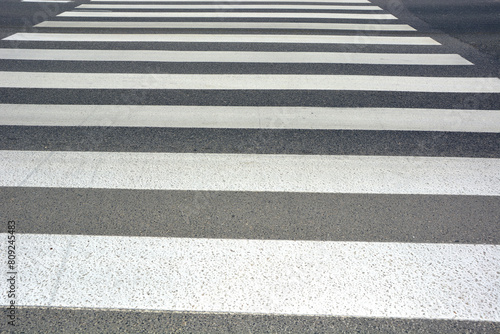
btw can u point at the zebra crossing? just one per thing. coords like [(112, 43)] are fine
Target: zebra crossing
[(253, 166)]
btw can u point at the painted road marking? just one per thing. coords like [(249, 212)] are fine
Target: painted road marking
[(52, 80), (229, 6), (396, 119), (225, 25), (304, 15), (234, 57), (348, 279), (223, 38), (251, 172)]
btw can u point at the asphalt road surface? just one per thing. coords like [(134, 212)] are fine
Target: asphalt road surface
[(250, 167)]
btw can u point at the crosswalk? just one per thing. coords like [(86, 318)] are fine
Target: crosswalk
[(251, 166)]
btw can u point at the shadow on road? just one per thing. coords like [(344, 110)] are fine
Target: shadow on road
[(474, 22)]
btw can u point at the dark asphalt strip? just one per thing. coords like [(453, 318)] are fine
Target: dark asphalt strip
[(358, 99), (236, 68), (248, 141), (272, 47), (255, 215), (51, 320)]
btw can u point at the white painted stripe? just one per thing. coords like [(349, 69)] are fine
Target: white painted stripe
[(238, 2), (228, 6), (347, 279), (225, 25), (252, 117), (234, 57), (351, 16), (251, 172), (247, 82), (223, 38)]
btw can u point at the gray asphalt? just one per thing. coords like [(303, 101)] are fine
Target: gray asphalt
[(473, 22), (469, 30), (247, 215), (251, 141), (97, 321)]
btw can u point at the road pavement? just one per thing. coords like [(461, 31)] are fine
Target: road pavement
[(237, 169)]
